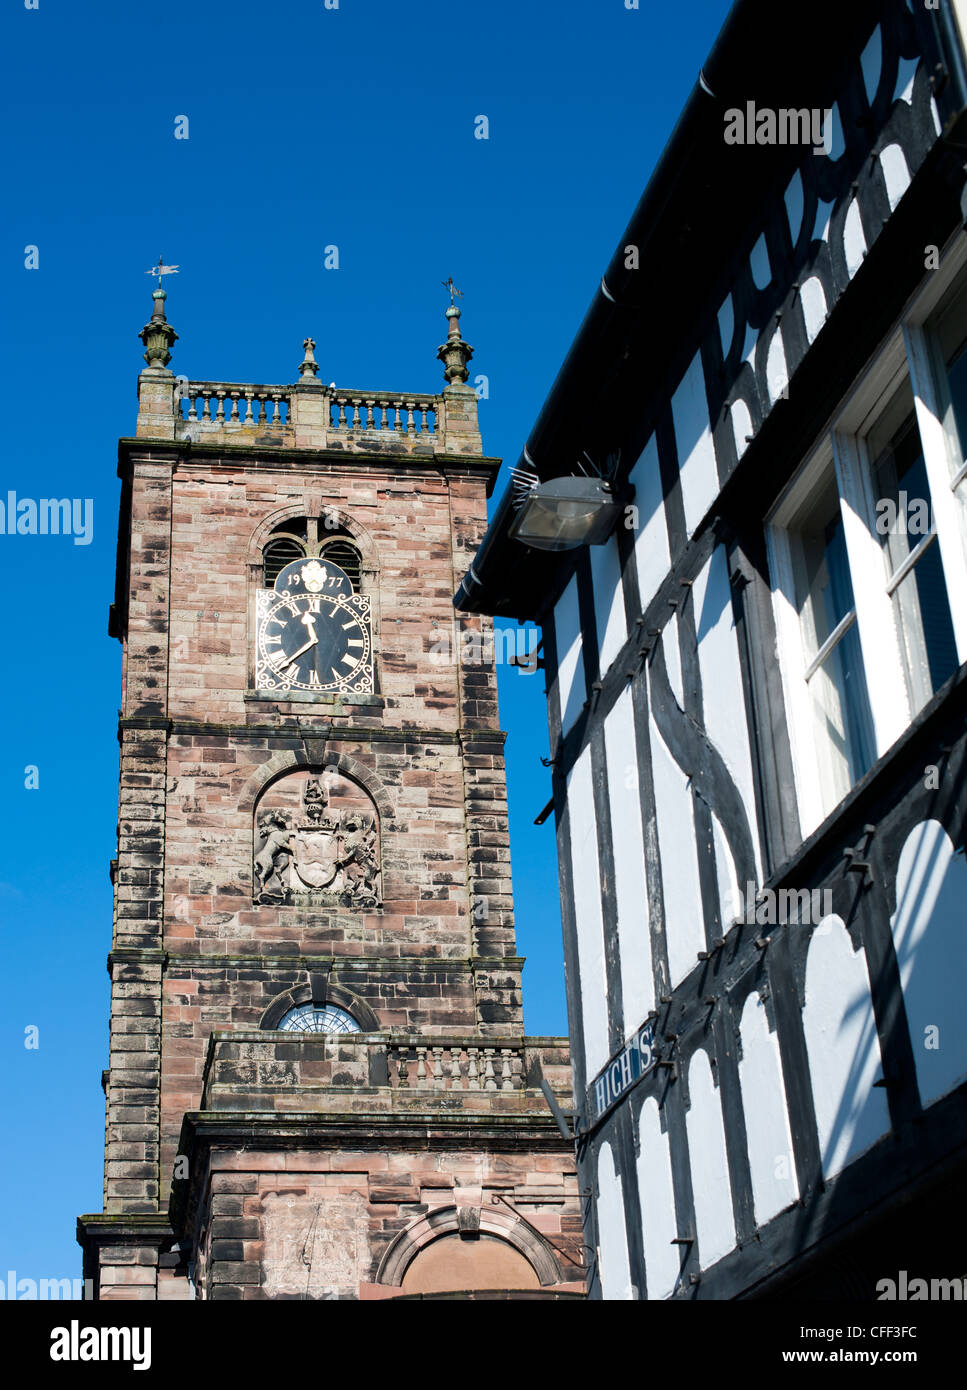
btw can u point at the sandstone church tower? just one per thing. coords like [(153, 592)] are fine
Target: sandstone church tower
[(319, 1085)]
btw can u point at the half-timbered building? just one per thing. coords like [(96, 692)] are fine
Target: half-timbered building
[(756, 671)]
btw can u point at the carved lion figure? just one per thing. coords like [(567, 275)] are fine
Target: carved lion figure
[(275, 847)]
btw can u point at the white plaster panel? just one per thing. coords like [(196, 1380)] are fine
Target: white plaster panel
[(773, 1170), (854, 240), (814, 308), (711, 1188), (723, 697), (777, 372), (634, 937), (615, 1271), (593, 982), (896, 175), (671, 646), (741, 426), (731, 898), (609, 604), (570, 655), (651, 543), (843, 1047), (930, 936), (696, 452), (684, 920), (656, 1196)]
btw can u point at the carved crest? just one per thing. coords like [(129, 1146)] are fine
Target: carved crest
[(317, 844), (314, 576)]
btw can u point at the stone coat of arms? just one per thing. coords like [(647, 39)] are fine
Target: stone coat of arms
[(320, 856)]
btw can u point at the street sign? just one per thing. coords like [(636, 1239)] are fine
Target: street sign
[(621, 1073)]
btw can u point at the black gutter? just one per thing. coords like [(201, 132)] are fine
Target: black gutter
[(952, 49), (778, 55)]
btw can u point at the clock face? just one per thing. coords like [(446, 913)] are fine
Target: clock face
[(313, 633)]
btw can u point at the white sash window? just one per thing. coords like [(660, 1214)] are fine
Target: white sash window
[(868, 552)]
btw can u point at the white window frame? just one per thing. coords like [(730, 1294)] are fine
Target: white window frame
[(946, 474), (909, 350)]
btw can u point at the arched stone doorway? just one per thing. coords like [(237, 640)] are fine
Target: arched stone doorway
[(461, 1249), (452, 1262)]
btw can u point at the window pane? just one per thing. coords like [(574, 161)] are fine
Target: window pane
[(957, 381), (825, 589), (951, 337), (902, 491), (318, 1018), (905, 521), (927, 632), (842, 722)]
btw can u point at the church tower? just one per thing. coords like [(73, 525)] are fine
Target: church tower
[(319, 1085)]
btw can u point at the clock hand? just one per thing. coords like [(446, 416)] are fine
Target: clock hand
[(312, 642)]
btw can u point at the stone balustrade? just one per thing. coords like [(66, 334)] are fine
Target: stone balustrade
[(256, 1070), (308, 414), (455, 1066), (213, 406), (355, 412), (319, 417)]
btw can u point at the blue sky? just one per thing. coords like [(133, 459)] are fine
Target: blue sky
[(307, 127)]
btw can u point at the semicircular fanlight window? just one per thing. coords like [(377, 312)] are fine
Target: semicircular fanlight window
[(318, 1018)]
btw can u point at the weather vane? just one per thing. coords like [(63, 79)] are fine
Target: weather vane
[(449, 285), (162, 269)]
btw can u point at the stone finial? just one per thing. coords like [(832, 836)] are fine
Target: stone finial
[(158, 334), (309, 367), (455, 353)]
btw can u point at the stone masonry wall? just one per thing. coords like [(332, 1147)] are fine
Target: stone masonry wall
[(199, 744), (310, 1224)]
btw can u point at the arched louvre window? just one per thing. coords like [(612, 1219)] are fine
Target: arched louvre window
[(279, 552), (309, 537), (346, 556)]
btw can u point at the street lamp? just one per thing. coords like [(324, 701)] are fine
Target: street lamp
[(564, 513)]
